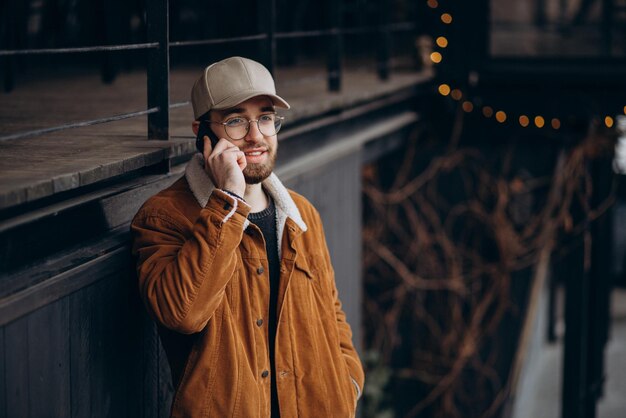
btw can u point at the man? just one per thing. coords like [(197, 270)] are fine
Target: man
[(235, 269)]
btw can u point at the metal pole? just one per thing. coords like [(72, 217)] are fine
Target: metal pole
[(335, 50), (600, 274), (13, 13), (267, 25), (575, 350), (540, 13), (607, 26), (157, 23), (384, 40)]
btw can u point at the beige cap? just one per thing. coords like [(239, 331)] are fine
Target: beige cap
[(227, 83)]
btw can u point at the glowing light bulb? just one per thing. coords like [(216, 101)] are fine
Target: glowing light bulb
[(524, 121), (433, 4), (467, 106), (446, 18), (487, 111), (444, 89), (442, 42), (608, 121), (556, 124), (456, 94), (501, 116), (539, 121), (436, 57)]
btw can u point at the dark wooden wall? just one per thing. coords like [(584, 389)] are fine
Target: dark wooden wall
[(75, 340)]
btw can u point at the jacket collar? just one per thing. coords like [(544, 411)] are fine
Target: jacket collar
[(201, 186)]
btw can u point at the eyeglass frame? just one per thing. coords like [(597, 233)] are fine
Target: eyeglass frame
[(224, 124)]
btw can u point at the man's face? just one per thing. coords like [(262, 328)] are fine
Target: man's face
[(260, 150)]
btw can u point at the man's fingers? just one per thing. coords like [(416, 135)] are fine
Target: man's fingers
[(223, 145), (241, 160), (208, 148)]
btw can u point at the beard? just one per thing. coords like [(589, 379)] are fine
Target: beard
[(256, 173)]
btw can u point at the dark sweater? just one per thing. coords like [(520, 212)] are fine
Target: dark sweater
[(266, 221)]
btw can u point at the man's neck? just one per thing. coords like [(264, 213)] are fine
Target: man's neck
[(256, 197)]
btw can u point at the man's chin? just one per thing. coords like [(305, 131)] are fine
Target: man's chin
[(255, 175)]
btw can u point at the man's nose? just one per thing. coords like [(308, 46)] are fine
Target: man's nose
[(254, 134)]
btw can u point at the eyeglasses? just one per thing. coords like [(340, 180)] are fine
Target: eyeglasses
[(237, 128)]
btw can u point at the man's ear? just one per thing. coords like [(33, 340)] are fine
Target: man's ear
[(195, 126)]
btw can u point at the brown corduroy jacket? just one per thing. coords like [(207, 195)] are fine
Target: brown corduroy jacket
[(203, 275)]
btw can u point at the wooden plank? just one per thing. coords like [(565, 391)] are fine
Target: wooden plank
[(81, 375), (105, 346), (16, 369), (151, 385), (87, 155), (37, 296), (48, 360), (166, 390), (3, 386)]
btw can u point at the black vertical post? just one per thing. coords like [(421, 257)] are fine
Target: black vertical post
[(384, 39), (335, 50), (108, 20), (576, 326), (563, 12), (600, 272), (157, 22), (540, 13), (267, 25), (551, 337), (12, 15), (607, 25)]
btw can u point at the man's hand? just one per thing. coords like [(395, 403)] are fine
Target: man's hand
[(225, 164)]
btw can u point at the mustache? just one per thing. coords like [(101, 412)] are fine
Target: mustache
[(256, 146)]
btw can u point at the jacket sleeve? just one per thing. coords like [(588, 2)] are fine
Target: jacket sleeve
[(182, 276), (345, 333)]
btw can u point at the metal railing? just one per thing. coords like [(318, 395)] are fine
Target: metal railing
[(158, 66)]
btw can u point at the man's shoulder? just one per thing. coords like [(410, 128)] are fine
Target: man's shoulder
[(308, 212), (303, 204)]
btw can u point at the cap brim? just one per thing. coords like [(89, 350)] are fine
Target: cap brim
[(241, 97)]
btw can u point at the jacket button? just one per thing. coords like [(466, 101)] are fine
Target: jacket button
[(259, 322), (265, 374), (260, 270)]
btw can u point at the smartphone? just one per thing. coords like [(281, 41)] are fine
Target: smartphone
[(203, 130)]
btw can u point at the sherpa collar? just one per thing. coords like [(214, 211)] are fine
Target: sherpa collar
[(202, 187)]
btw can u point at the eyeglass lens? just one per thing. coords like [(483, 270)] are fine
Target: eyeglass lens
[(268, 125)]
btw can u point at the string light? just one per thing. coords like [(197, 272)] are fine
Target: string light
[(436, 57), (444, 89), (524, 121), (456, 94), (446, 18), (467, 106), (442, 41), (539, 121)]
